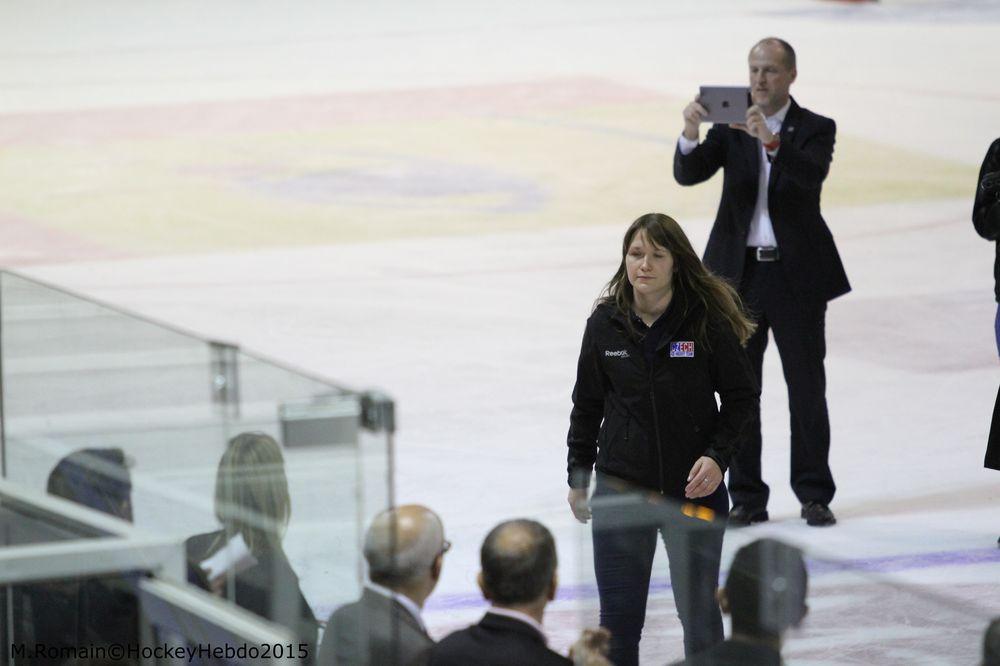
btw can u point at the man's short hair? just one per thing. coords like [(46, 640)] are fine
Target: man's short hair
[(766, 588), (519, 561), (392, 563), (785, 46)]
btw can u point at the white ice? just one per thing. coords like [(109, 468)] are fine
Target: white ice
[(476, 337)]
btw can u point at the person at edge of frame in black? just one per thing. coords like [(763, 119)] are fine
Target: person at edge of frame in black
[(986, 219)]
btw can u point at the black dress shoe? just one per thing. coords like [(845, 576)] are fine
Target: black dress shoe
[(740, 516), (818, 515)]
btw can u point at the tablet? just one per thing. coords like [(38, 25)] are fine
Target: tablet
[(725, 104)]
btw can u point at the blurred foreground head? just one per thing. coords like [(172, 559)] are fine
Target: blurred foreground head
[(95, 478), (766, 589)]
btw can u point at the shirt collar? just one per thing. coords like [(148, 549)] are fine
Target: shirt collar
[(522, 617), (779, 116), (403, 600)]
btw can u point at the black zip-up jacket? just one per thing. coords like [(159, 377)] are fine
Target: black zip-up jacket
[(648, 425)]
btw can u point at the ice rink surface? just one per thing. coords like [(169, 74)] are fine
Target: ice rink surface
[(428, 199)]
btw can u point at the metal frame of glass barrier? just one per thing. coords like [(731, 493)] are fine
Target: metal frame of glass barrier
[(173, 613), (117, 545), (223, 633), (876, 593), (105, 545)]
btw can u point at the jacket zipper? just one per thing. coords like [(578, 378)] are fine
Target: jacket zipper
[(656, 430)]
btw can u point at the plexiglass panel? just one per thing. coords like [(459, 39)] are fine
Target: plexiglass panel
[(134, 418), (878, 591)]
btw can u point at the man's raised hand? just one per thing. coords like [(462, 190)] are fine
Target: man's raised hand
[(694, 115)]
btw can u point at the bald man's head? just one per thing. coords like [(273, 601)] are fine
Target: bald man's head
[(786, 50), (402, 544), (519, 562)]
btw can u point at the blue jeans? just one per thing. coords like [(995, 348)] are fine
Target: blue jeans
[(625, 525)]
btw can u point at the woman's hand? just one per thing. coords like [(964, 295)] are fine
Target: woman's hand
[(578, 503), (703, 479)]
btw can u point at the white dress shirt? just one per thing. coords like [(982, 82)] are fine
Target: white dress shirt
[(761, 230), (404, 600)]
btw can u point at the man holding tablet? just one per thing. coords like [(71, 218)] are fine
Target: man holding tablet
[(770, 240)]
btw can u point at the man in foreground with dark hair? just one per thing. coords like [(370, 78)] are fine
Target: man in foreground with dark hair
[(765, 594), (405, 550), (518, 577)]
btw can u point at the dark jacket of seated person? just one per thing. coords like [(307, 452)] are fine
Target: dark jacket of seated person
[(518, 577), (261, 587), (404, 549)]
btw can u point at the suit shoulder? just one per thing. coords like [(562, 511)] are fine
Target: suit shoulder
[(341, 613), (813, 118), (454, 639), (451, 648)]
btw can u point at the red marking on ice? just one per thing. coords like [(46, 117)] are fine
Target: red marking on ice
[(297, 113), (24, 243)]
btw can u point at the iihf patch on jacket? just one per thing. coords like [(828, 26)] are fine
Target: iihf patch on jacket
[(682, 349)]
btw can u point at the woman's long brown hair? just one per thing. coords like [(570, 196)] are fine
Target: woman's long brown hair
[(697, 282)]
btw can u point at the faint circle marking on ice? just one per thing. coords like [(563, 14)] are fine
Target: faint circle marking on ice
[(399, 183)]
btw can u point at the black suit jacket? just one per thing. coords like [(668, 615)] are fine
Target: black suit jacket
[(496, 641), (812, 263), (374, 630)]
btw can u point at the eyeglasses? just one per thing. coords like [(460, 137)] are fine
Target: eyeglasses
[(445, 547)]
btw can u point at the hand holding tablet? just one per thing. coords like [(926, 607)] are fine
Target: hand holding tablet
[(716, 104), (725, 104)]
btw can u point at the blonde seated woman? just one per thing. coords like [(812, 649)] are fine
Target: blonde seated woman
[(244, 561)]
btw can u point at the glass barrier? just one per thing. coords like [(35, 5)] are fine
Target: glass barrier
[(868, 591), (78, 587), (148, 423)]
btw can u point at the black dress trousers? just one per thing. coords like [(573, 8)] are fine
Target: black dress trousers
[(799, 333)]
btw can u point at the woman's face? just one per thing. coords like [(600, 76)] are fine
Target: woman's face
[(650, 268)]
